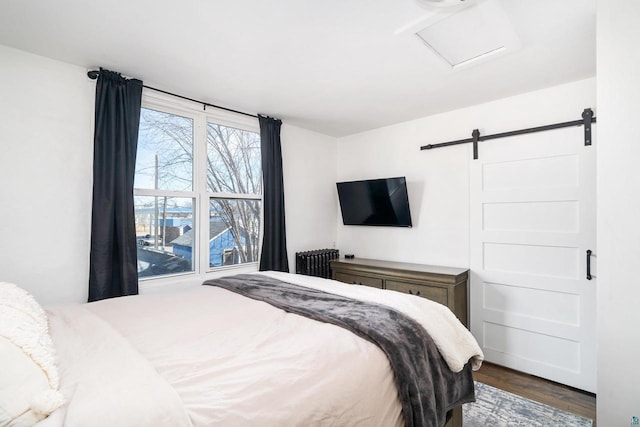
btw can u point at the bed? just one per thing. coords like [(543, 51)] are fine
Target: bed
[(211, 355)]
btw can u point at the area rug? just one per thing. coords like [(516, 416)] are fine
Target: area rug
[(497, 408)]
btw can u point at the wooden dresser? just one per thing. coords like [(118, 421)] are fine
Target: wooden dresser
[(446, 285)]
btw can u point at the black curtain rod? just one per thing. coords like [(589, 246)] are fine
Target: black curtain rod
[(93, 74), (587, 119)]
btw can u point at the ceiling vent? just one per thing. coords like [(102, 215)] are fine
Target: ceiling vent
[(471, 35)]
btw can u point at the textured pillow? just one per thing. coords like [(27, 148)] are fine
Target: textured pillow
[(21, 300), (29, 380)]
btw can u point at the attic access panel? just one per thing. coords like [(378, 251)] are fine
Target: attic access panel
[(471, 34)]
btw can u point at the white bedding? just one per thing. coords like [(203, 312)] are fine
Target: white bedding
[(454, 341), (208, 356)]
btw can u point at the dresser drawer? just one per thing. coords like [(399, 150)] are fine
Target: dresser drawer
[(445, 285), (434, 293), (358, 280)]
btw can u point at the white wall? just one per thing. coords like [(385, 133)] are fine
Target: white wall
[(618, 77), (46, 111), (309, 164), (46, 137), (438, 180)]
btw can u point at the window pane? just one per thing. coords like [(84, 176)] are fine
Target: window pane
[(234, 226), (233, 160), (164, 233), (165, 152)]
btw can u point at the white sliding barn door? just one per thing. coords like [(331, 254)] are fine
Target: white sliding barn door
[(532, 221)]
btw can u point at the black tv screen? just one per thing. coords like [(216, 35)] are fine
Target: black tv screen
[(382, 202)]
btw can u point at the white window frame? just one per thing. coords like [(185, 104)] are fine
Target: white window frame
[(200, 194)]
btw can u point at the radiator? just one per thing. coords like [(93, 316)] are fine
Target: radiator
[(316, 263)]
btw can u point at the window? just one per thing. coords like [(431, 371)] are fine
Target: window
[(234, 180), (198, 190)]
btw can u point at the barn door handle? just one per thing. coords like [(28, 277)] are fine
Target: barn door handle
[(589, 264)]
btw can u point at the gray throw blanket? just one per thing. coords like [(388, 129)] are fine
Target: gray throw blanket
[(427, 388)]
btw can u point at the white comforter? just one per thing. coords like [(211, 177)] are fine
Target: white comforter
[(207, 356)]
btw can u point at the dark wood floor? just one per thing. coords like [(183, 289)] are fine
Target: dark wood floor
[(538, 389)]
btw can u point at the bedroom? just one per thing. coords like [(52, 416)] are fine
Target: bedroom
[(47, 105)]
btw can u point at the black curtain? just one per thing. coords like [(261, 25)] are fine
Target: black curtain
[(113, 265), (274, 241)]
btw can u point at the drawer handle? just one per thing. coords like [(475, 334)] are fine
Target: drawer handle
[(416, 294)]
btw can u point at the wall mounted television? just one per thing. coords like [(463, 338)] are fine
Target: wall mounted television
[(378, 202)]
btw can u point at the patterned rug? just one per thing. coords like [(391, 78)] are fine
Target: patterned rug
[(498, 408)]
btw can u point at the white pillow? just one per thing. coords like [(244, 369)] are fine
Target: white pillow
[(15, 297), (29, 380)]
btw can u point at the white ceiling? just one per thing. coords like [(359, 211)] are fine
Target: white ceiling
[(334, 66)]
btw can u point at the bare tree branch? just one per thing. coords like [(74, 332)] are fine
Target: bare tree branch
[(233, 166)]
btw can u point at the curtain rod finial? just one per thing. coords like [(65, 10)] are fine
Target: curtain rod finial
[(93, 74)]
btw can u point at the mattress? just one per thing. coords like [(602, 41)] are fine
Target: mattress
[(206, 356)]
